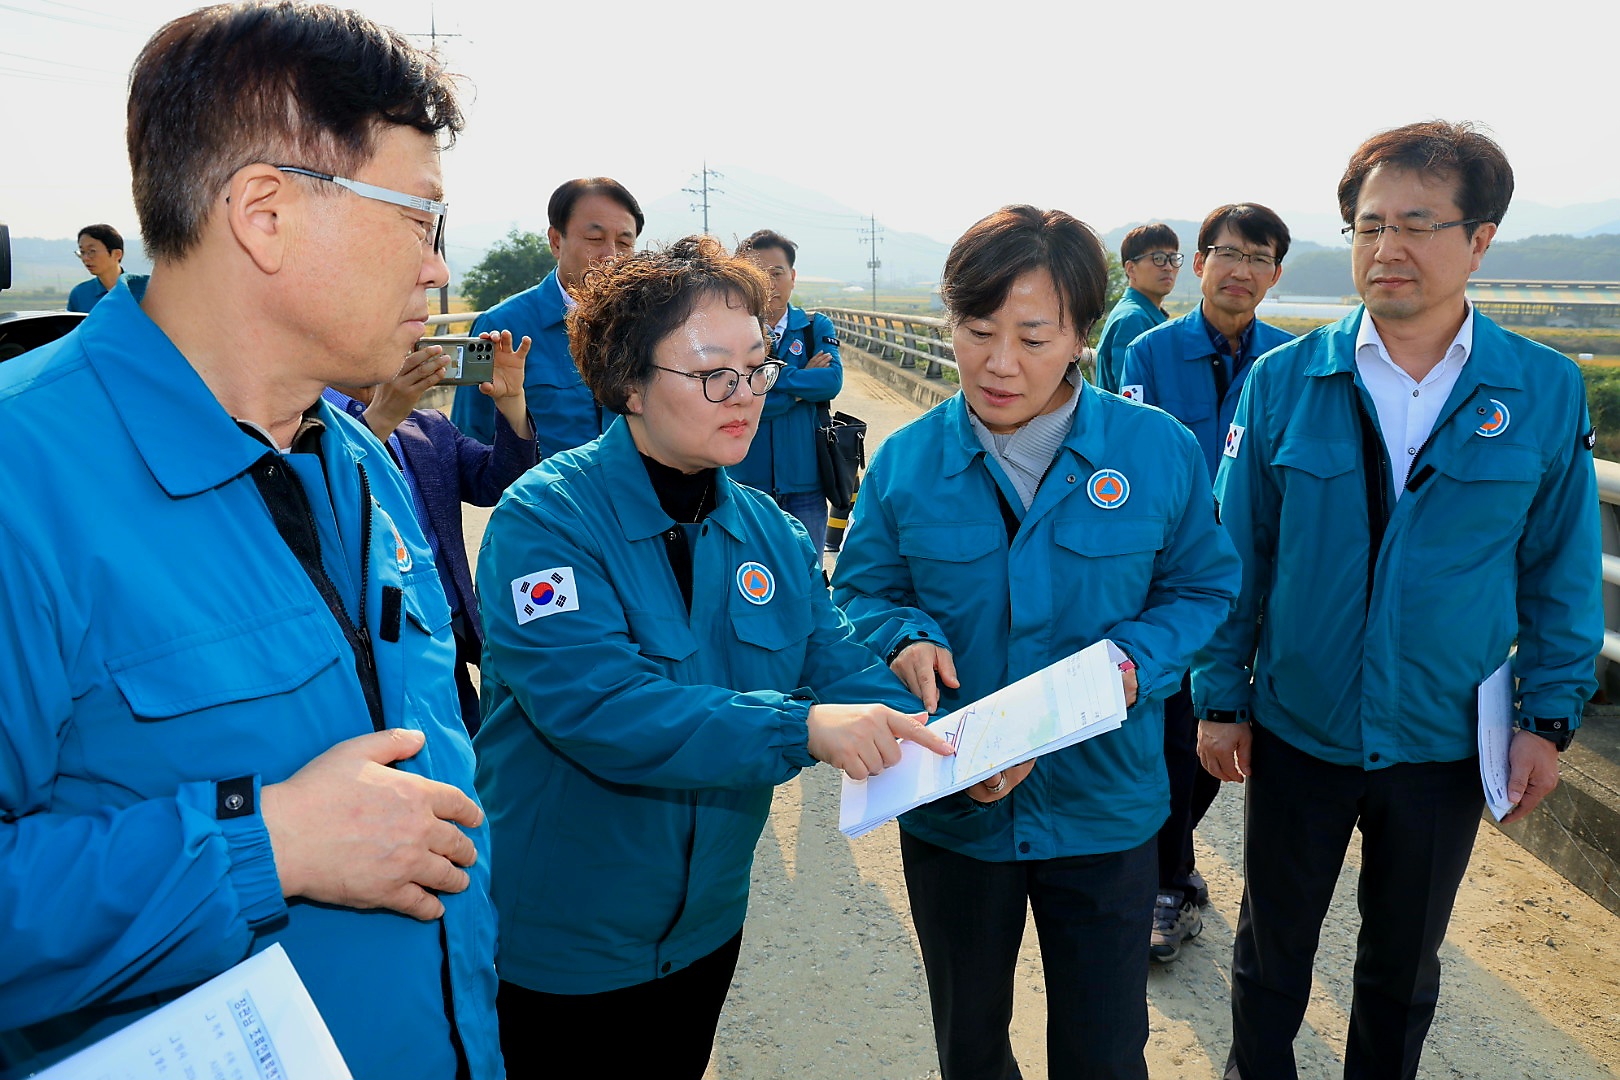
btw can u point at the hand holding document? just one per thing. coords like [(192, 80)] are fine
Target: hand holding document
[(254, 1022), (1495, 737), (1077, 698)]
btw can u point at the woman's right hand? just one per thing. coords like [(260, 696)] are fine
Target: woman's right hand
[(917, 666), (863, 740)]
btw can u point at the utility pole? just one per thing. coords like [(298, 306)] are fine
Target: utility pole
[(873, 236), (433, 37), (703, 191)]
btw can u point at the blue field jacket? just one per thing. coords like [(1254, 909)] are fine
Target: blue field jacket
[(560, 404), (1170, 366), (630, 747), (159, 638), (782, 458), (1495, 538), (1120, 542)]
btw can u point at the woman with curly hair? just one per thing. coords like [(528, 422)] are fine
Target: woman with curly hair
[(661, 652)]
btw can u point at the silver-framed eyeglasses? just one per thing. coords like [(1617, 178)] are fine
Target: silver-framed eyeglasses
[(721, 383), (1368, 235), (1161, 259), (432, 207), (1231, 257)]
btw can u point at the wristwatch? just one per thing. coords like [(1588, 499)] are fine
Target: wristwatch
[(1225, 716), (1557, 731)]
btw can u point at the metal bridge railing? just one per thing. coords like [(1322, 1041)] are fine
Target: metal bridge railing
[(913, 341)]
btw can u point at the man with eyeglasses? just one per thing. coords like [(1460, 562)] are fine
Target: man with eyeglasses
[(1151, 258), (782, 459), (1412, 491), (592, 219), (228, 715), (1194, 368), (101, 249)]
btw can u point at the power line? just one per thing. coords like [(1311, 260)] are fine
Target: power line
[(704, 191)]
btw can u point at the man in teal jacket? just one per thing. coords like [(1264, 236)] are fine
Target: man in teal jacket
[(782, 460), (1151, 258), (1412, 492), (1193, 368), (227, 712), (591, 219)]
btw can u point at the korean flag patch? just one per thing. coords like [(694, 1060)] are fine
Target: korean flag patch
[(1234, 439), (546, 593), (1132, 392)]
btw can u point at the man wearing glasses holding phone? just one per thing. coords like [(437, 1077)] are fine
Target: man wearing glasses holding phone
[(1194, 368), (1412, 491), (1151, 257)]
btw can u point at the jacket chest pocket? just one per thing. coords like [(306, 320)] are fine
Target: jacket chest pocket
[(1107, 564), (941, 558), (1486, 490), (772, 639), (664, 638), (1320, 483)]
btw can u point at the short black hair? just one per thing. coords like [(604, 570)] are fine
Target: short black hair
[(1255, 223), (1015, 240), (1145, 238), (561, 207), (629, 304), (234, 84), (768, 238), (1452, 151), (110, 238)]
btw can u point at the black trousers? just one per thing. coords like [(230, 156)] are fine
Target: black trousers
[(1090, 911), (1192, 790), (663, 1028), (1418, 824)]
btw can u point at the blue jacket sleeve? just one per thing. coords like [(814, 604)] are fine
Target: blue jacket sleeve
[(1137, 370), (1195, 580), (582, 678), (872, 581), (1249, 503), (127, 901), (484, 471), (1560, 589), (815, 384)]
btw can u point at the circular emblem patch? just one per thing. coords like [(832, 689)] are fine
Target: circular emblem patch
[(1108, 488), (1497, 419), (797, 348), (402, 554), (755, 583)]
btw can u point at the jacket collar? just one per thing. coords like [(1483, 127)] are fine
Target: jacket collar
[(962, 446), (1489, 362), (634, 500), (188, 441)]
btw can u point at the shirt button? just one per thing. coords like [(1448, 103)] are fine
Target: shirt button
[(1411, 450), (1023, 849), (1373, 756), (1415, 393)]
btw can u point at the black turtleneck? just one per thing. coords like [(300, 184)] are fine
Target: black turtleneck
[(687, 498)]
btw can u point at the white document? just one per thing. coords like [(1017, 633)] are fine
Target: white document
[(254, 1022), (1495, 736), (1078, 697)]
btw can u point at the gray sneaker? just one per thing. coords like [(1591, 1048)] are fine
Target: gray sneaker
[(1174, 921)]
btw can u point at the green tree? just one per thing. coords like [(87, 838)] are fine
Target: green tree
[(512, 265)]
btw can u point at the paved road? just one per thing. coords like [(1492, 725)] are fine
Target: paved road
[(830, 983)]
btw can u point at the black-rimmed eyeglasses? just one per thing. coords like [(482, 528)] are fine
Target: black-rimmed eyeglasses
[(721, 383), (1161, 259), (1368, 235), (431, 207)]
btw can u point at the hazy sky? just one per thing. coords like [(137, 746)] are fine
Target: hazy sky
[(926, 115)]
